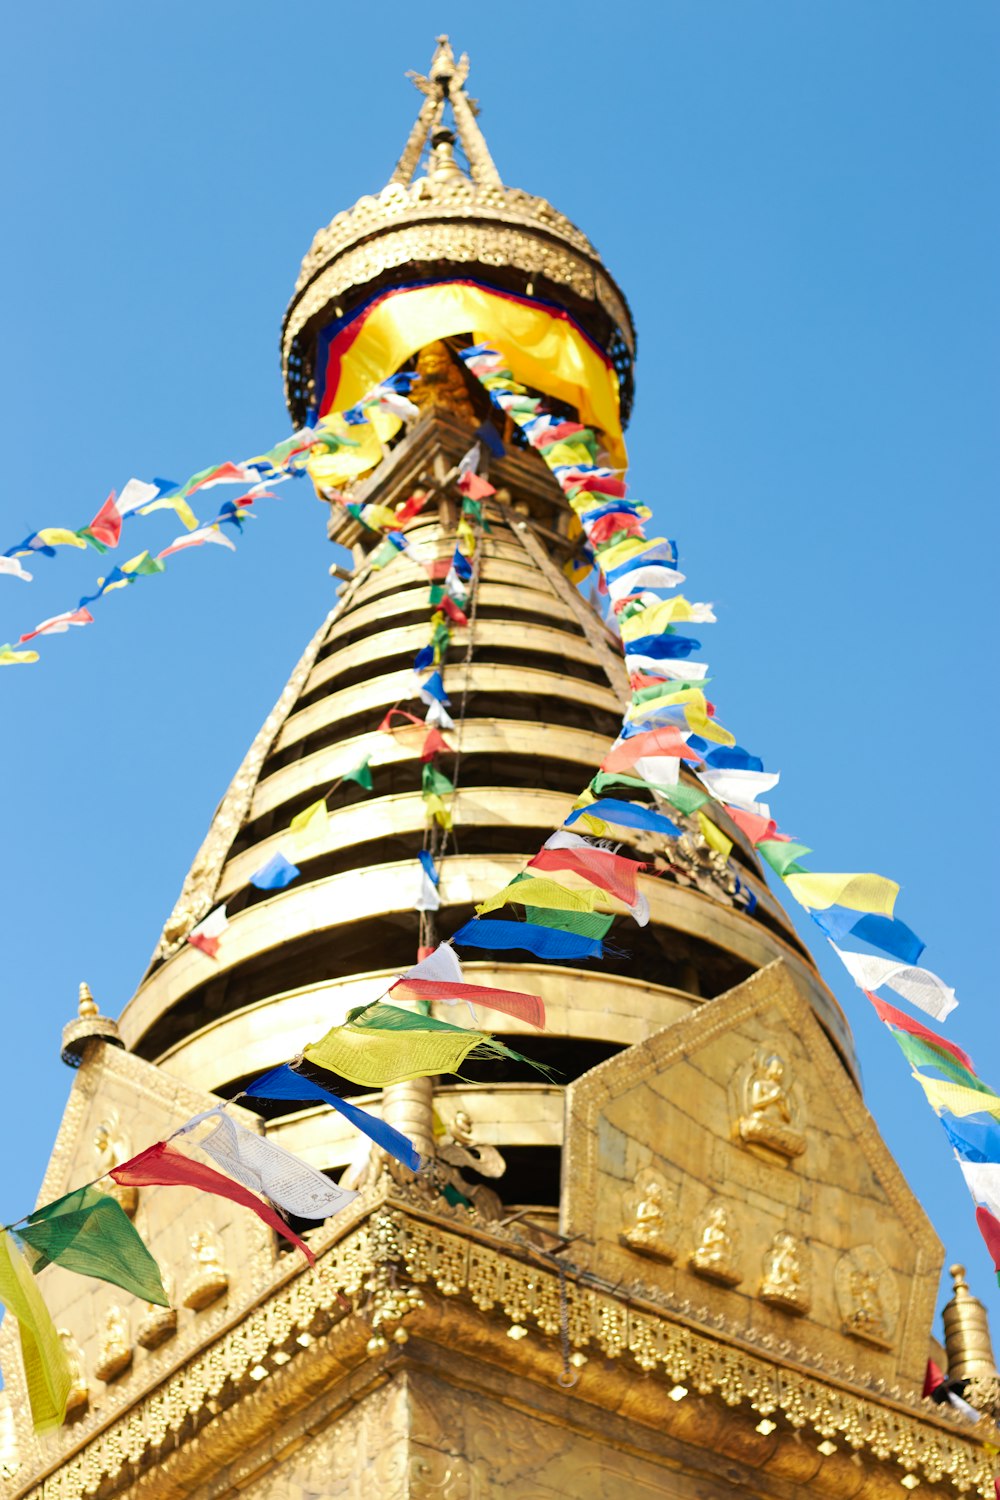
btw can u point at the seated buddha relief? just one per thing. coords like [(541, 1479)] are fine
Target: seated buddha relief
[(769, 1115), (647, 1219)]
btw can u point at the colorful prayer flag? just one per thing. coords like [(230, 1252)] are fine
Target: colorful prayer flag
[(284, 1083), (46, 1367), (89, 1232), (275, 874)]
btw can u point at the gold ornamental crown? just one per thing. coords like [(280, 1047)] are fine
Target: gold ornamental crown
[(445, 223)]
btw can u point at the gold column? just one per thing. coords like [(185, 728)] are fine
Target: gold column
[(410, 1108), (967, 1332)]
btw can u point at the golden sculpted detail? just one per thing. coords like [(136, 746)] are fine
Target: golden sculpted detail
[(79, 1391), (158, 1323), (648, 1207), (770, 1113), (867, 1296), (112, 1146), (116, 1345), (209, 1280), (716, 1255), (785, 1282)]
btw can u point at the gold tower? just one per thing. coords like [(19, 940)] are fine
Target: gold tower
[(688, 1268)]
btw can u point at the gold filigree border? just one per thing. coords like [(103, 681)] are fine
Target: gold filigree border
[(478, 1269)]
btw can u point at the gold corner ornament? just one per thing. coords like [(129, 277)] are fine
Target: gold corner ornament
[(391, 1263)]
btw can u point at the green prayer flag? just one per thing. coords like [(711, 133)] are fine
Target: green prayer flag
[(782, 856), (473, 508), (435, 782), (923, 1054), (590, 924), (686, 799), (361, 774), (89, 1232), (438, 592)]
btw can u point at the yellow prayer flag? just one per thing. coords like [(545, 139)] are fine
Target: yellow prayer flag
[(597, 826), (46, 1367), (536, 891), (567, 453), (176, 503), (375, 1058), (621, 552), (308, 826), (58, 536), (11, 658), (699, 722), (654, 621), (872, 893), (714, 837), (466, 538), (957, 1098), (437, 810)]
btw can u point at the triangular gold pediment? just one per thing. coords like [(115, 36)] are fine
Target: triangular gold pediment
[(729, 1164)]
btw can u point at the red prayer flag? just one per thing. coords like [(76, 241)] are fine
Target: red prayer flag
[(475, 486), (387, 726), (663, 741), (753, 825), (163, 1165), (933, 1378), (989, 1228), (434, 743), (226, 473), (639, 680), (893, 1017), (605, 527), (512, 1002), (209, 945), (616, 488), (106, 526), (411, 507), (451, 609), (610, 872)]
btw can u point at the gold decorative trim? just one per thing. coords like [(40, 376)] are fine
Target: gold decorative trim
[(478, 1270)]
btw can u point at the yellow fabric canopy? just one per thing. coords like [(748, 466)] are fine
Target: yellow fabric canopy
[(546, 352)]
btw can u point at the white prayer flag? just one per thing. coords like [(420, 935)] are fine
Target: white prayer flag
[(922, 988), (267, 1168)]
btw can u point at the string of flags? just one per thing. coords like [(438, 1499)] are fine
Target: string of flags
[(332, 446), (669, 722)]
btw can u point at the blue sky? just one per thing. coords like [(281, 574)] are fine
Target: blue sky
[(799, 201)]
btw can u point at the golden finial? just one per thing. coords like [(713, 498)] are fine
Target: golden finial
[(87, 1005), (88, 1026), (967, 1332)]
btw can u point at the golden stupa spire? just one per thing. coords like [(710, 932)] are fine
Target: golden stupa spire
[(444, 85)]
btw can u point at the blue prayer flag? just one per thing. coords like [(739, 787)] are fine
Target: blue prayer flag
[(428, 865), (733, 758), (974, 1140), (284, 1083), (629, 814), (544, 942), (276, 874), (663, 646), (424, 658), (888, 934)]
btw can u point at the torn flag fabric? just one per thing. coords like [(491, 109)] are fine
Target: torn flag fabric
[(164, 1166), (919, 986)]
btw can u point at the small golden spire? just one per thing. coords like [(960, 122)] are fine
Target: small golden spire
[(89, 1025), (967, 1332), (87, 1005)]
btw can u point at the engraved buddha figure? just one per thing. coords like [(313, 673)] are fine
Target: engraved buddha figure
[(209, 1278), (715, 1254), (784, 1283), (768, 1118), (867, 1318), (116, 1346), (112, 1147), (442, 384), (158, 1323), (646, 1228), (79, 1391)]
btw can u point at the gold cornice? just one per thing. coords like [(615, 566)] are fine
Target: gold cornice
[(388, 1265)]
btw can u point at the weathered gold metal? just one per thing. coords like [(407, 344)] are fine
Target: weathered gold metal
[(967, 1332)]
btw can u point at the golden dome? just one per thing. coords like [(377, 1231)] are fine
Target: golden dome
[(447, 223)]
